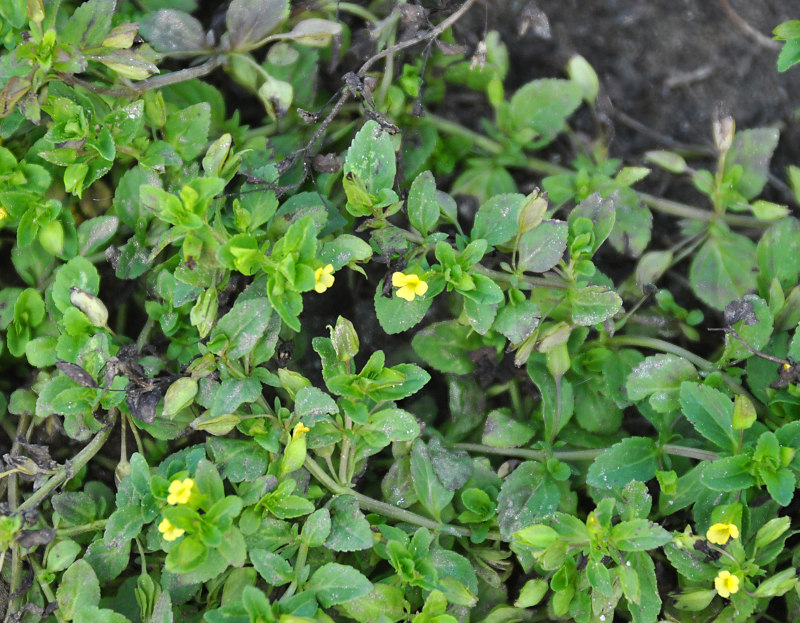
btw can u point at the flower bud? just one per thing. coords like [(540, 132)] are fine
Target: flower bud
[(90, 305), (534, 207), (51, 237), (345, 339), (744, 413), (179, 396), (295, 453)]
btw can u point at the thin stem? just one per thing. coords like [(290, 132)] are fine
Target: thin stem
[(352, 8), (344, 458), (156, 82), (653, 343), (691, 453), (46, 590), (69, 469), (527, 453), (100, 524), (388, 510), (428, 35), (530, 282), (681, 210)]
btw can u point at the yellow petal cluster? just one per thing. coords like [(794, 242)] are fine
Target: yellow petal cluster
[(324, 278), (180, 491), (410, 285), (726, 583), (721, 533), (299, 430), (169, 531)]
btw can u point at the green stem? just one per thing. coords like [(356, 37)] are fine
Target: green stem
[(691, 453), (527, 453), (352, 8), (653, 343), (69, 469), (388, 510), (46, 590), (100, 524), (682, 210), (577, 455), (530, 282)]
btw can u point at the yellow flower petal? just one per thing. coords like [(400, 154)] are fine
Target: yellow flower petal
[(324, 278), (721, 533), (726, 584), (299, 430), (410, 286), (180, 491), (169, 531)]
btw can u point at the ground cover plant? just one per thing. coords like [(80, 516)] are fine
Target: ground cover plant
[(283, 343)]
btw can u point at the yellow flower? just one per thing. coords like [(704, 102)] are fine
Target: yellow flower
[(720, 533), (726, 584), (300, 430), (180, 491), (410, 286), (324, 278), (169, 531), (3, 213)]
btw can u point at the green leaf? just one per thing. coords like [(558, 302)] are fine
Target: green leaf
[(780, 484), (711, 413), (649, 605), (634, 458), (593, 304), (601, 211), (397, 315), (249, 21), (516, 321), (78, 272), (108, 562), (233, 392), (89, 24), (527, 495), (659, 379), (335, 584), (123, 524), (503, 431), (752, 150), (312, 405), (173, 32), (789, 55), (238, 459), (430, 491), (78, 589), (639, 535), (778, 254), (423, 207), (383, 603), (453, 468), (371, 158), (542, 247), (557, 407), (496, 220), (316, 528), (728, 474), (446, 346), (344, 249), (543, 106), (187, 130), (350, 531), (722, 269), (243, 326), (273, 568)]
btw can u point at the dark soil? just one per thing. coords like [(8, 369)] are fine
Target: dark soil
[(666, 64)]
